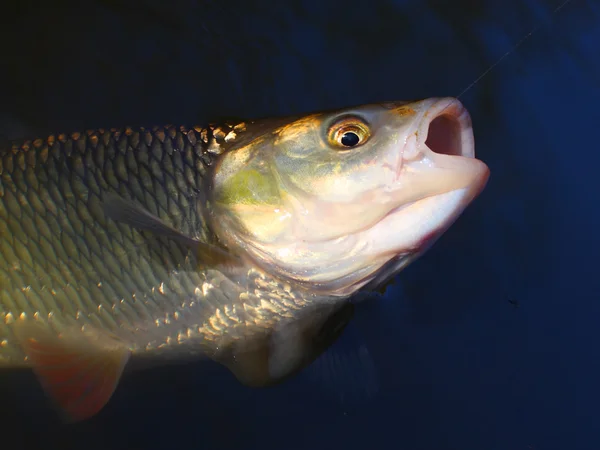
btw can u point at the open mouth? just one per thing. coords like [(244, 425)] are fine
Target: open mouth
[(441, 156), (450, 131)]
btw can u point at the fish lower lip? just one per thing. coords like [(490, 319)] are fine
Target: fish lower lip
[(401, 207)]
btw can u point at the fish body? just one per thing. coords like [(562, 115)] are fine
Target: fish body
[(240, 242)]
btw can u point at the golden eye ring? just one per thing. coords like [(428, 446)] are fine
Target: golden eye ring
[(348, 133)]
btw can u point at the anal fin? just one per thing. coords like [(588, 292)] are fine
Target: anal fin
[(78, 373)]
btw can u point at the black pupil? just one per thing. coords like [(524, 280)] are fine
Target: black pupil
[(350, 139)]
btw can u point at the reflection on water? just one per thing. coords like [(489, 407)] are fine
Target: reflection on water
[(458, 366)]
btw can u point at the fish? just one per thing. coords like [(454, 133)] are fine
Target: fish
[(243, 241)]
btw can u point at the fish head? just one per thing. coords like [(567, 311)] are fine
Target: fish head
[(338, 201)]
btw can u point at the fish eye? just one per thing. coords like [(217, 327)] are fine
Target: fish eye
[(348, 133)]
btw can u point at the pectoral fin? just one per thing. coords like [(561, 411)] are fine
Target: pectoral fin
[(125, 211), (78, 373), (286, 348), (346, 370)]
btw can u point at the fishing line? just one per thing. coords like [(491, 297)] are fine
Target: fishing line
[(511, 50), (511, 299)]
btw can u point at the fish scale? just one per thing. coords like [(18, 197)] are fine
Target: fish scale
[(60, 249)]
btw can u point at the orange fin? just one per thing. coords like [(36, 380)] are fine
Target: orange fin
[(78, 373)]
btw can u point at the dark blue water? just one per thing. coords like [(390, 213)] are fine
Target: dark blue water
[(490, 341)]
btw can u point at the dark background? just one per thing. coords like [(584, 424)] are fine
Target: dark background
[(490, 341)]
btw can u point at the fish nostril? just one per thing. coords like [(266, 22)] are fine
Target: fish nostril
[(444, 135)]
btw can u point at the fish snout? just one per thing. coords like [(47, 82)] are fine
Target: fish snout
[(440, 157)]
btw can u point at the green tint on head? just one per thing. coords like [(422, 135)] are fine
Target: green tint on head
[(248, 194), (250, 187), (245, 177)]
